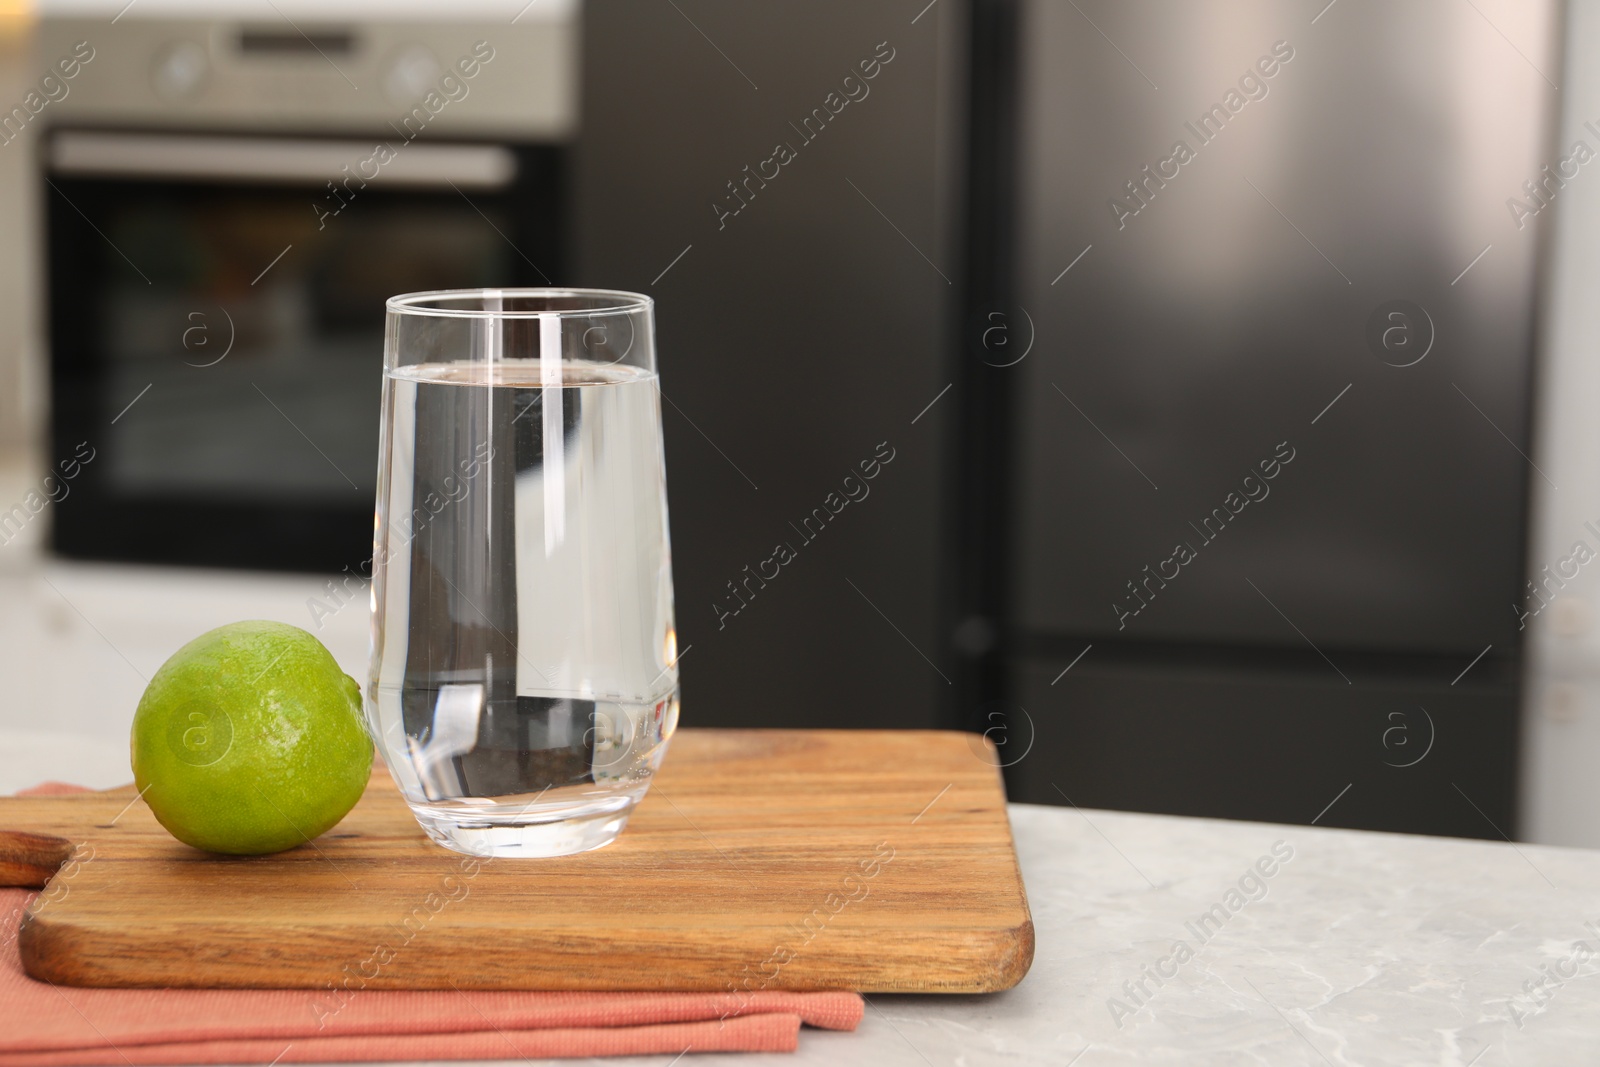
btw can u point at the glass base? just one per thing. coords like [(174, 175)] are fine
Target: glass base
[(512, 830)]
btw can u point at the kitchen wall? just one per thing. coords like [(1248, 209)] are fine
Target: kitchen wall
[(1561, 704)]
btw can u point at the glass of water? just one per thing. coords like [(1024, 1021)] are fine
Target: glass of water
[(524, 674)]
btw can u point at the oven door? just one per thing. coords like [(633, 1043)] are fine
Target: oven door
[(216, 326)]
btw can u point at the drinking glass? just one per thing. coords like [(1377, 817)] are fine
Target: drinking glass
[(524, 678)]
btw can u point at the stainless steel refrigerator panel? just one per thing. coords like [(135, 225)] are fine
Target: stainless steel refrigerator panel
[(783, 187), (1288, 742), (1281, 238)]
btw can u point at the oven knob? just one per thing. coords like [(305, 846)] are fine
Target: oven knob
[(180, 71), (412, 72)]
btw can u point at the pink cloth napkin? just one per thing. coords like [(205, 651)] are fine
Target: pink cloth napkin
[(48, 1025)]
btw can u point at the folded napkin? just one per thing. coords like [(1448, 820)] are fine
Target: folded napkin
[(48, 1025)]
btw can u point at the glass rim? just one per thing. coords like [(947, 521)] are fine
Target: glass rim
[(607, 302)]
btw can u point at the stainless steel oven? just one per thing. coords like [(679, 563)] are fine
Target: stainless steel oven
[(221, 231)]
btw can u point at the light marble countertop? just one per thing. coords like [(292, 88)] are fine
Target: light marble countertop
[(1363, 948)]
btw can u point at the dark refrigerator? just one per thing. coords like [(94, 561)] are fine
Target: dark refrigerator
[(1277, 264)]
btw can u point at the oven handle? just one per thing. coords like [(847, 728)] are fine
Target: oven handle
[(280, 160)]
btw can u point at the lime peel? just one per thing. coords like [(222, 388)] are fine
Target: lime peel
[(250, 740)]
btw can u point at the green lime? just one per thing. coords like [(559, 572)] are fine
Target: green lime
[(250, 740)]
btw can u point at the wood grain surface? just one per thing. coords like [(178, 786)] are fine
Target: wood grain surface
[(878, 861)]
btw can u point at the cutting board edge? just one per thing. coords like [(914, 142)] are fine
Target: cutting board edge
[(998, 959)]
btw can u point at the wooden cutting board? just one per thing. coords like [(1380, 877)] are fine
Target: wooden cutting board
[(878, 861)]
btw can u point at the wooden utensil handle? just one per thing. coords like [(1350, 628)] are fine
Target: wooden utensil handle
[(27, 861)]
